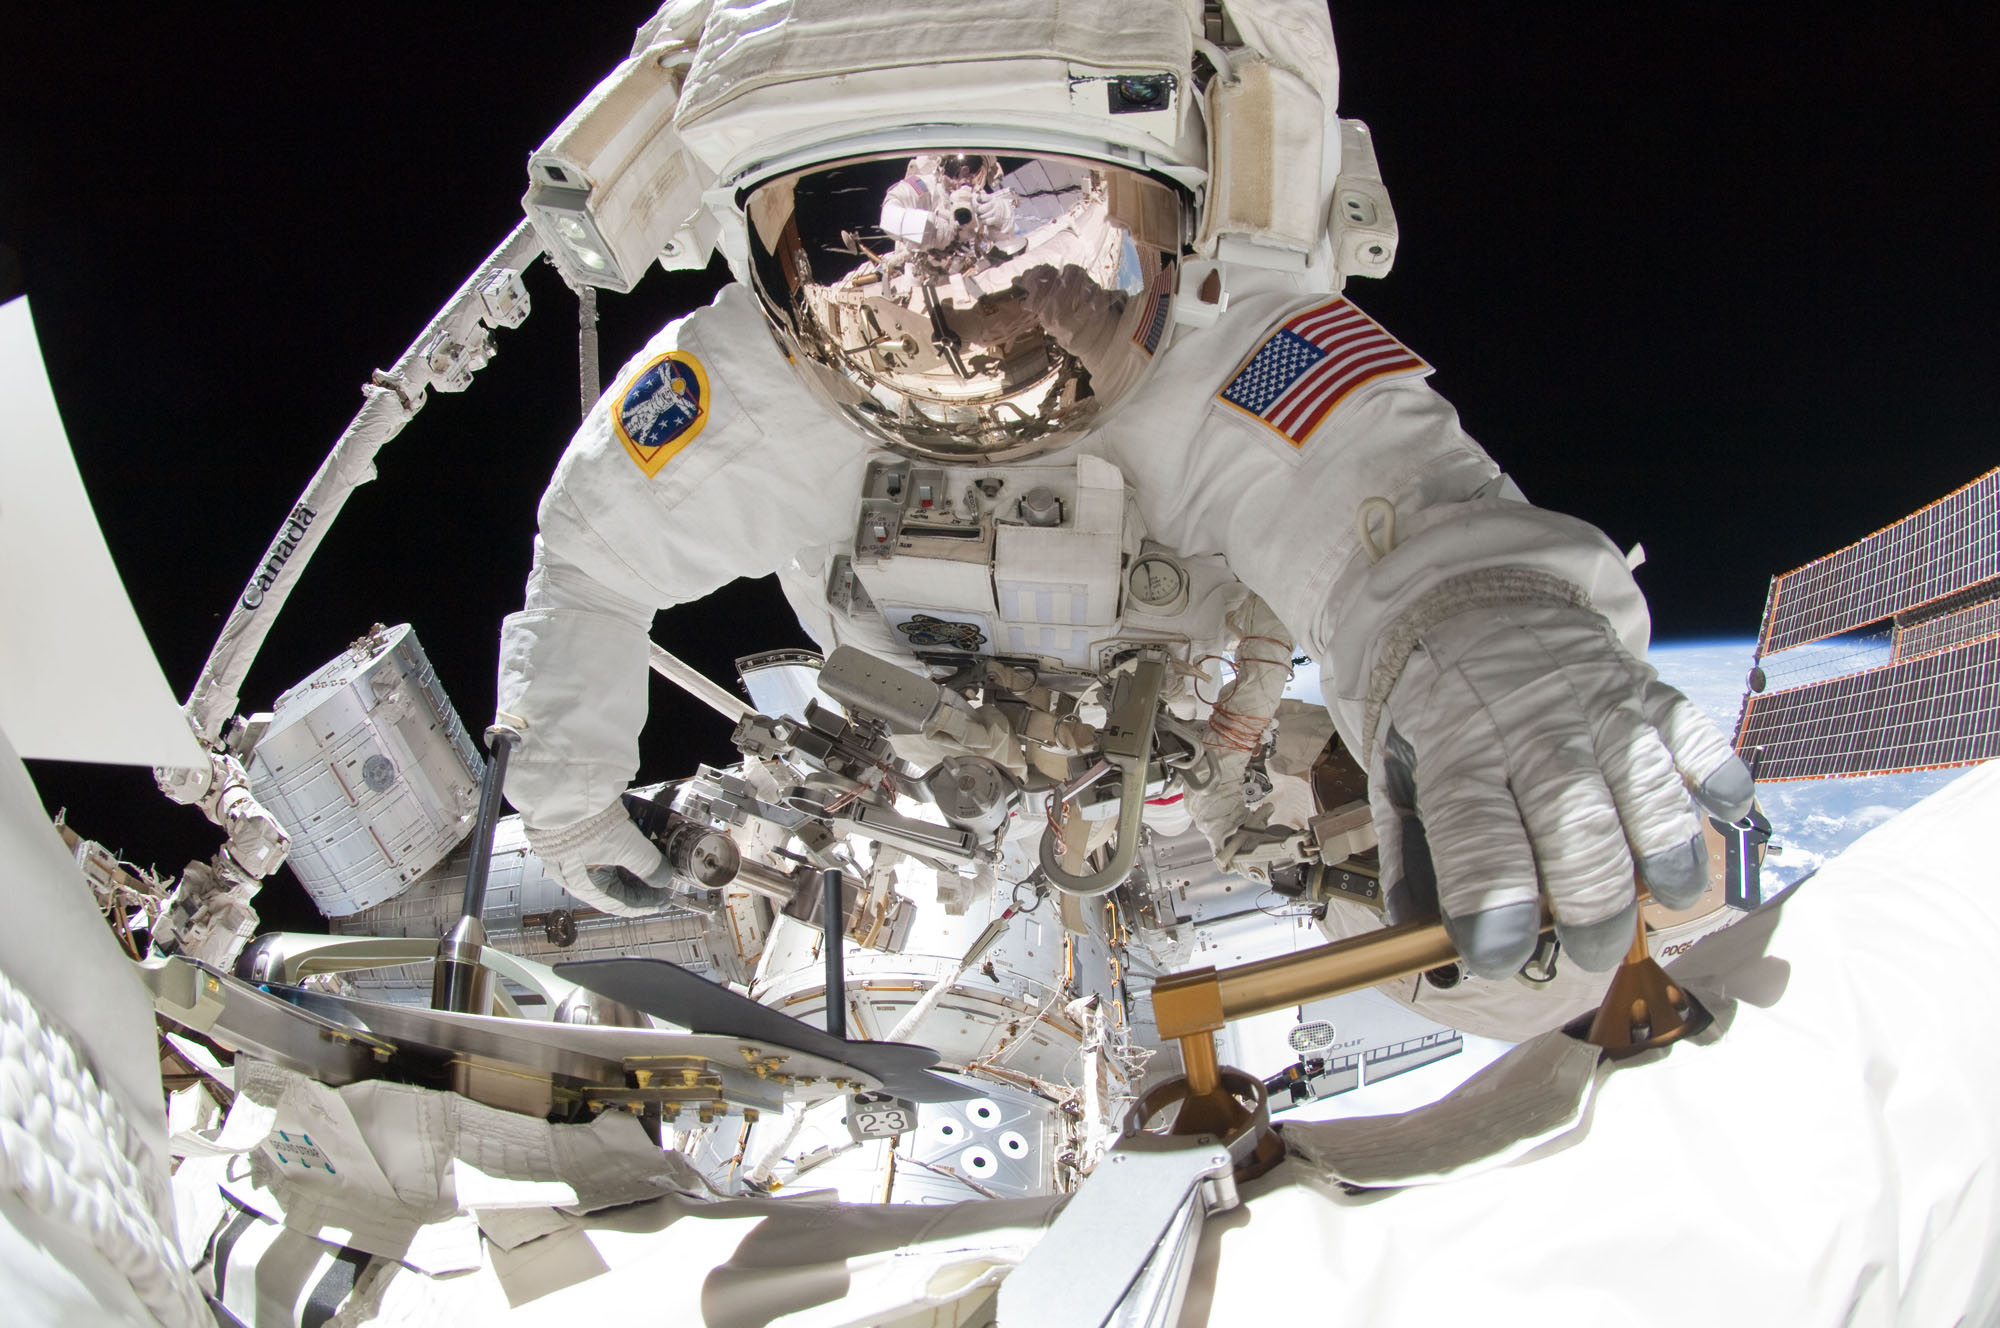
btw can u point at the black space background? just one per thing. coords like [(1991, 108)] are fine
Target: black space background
[(1721, 282)]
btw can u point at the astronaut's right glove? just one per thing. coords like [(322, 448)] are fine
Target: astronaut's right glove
[(995, 210), (1081, 316), (1521, 752), (585, 859)]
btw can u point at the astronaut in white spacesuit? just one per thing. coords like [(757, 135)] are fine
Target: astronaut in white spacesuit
[(951, 207), (1137, 402)]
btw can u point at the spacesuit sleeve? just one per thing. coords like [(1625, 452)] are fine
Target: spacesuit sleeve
[(573, 678), (674, 485), (1455, 513), (909, 215), (1285, 512), (1082, 316)]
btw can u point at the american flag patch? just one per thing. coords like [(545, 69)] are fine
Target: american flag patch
[(1153, 318), (1308, 366)]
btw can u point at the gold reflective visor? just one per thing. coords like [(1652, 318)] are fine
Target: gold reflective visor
[(969, 305)]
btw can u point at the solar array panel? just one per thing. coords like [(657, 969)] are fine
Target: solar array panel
[(1938, 550), (1952, 629), (1939, 709)]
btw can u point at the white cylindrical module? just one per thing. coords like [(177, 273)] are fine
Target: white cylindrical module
[(368, 768), (528, 913)]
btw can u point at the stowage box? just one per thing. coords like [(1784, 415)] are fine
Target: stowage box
[(368, 768)]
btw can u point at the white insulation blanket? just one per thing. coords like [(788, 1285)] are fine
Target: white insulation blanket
[(1832, 1158)]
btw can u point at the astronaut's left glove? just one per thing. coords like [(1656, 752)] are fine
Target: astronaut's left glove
[(1518, 751)]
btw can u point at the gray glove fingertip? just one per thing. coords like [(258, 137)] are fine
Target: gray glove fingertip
[(1677, 876), (1596, 947), (1495, 943), (1728, 791)]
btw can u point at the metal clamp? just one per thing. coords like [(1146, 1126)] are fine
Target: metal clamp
[(1245, 1127), (1540, 970), (1128, 742)]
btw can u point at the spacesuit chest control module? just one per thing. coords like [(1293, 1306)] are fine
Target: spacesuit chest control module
[(1039, 392)]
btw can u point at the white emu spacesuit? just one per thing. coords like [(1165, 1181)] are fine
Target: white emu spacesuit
[(1133, 409), (949, 200)]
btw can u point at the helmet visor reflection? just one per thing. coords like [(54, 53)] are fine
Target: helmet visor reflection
[(971, 304)]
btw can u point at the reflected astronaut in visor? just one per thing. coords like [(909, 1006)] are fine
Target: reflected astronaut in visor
[(997, 307), (949, 211)]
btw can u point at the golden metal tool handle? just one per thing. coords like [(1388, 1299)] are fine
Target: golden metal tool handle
[(1202, 1000), (1642, 1010)]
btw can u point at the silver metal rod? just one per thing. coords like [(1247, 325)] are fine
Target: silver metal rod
[(700, 686), (460, 982), (589, 382), (479, 864), (767, 881)]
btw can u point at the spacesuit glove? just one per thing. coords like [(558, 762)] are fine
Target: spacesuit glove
[(586, 859), (995, 210), (1523, 753)]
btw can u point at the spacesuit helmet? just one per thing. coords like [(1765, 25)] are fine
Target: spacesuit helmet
[(969, 303), (968, 168)]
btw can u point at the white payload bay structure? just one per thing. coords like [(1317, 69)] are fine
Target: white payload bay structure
[(1043, 916)]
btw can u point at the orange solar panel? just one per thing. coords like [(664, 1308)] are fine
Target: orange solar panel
[(1958, 628), (1940, 709), (1937, 551)]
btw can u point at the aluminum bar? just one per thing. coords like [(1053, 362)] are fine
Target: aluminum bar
[(700, 686)]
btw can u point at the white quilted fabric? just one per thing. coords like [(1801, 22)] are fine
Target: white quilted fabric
[(68, 1154)]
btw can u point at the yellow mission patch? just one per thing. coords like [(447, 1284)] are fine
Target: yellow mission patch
[(662, 409)]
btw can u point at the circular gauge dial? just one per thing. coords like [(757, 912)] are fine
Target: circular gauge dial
[(1158, 582)]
